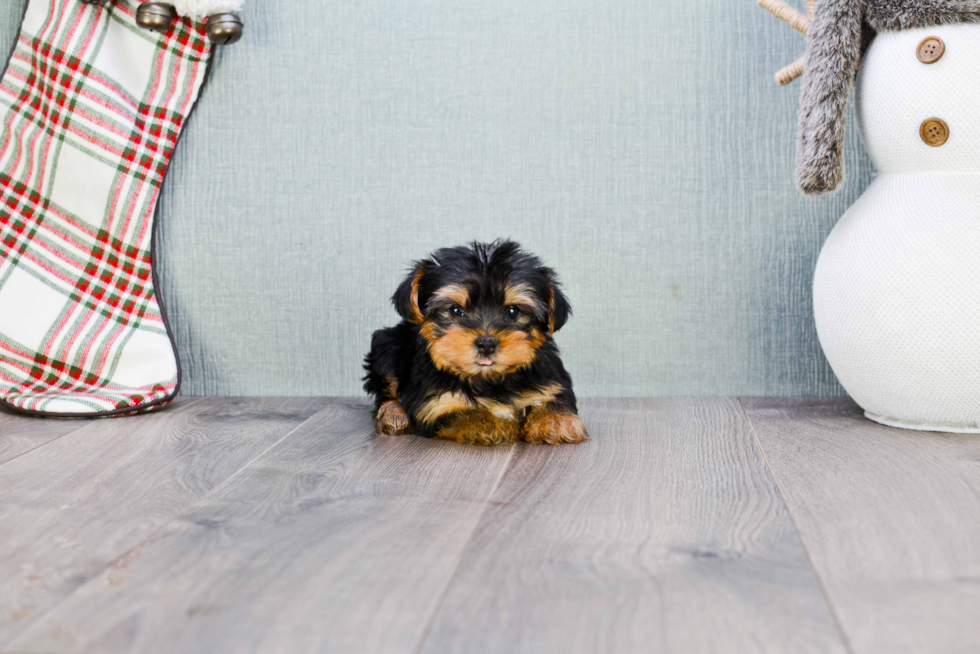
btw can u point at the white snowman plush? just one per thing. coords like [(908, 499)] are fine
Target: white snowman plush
[(897, 286)]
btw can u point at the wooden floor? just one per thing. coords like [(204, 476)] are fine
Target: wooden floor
[(684, 525)]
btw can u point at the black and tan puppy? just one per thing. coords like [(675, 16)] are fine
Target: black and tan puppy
[(473, 359)]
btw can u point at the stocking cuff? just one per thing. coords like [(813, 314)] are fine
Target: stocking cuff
[(199, 9)]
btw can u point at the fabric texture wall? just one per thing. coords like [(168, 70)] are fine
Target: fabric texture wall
[(639, 146)]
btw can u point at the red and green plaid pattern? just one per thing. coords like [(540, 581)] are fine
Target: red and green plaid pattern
[(91, 107)]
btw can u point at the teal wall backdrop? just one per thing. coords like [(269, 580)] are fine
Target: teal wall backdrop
[(639, 146)]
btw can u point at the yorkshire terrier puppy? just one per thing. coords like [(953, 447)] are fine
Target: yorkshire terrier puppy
[(473, 359)]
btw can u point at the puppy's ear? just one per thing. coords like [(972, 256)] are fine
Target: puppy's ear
[(406, 298), (559, 309)]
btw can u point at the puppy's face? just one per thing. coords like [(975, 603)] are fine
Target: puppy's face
[(484, 310)]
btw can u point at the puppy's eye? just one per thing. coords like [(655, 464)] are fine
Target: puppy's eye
[(456, 311), (513, 313)]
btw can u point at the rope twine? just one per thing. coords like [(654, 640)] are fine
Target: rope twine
[(797, 21)]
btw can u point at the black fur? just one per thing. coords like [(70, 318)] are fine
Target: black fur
[(485, 270)]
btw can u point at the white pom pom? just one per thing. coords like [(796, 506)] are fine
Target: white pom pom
[(198, 9)]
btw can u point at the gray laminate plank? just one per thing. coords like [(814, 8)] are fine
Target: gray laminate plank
[(891, 519), (21, 433), (69, 509), (336, 540), (662, 534)]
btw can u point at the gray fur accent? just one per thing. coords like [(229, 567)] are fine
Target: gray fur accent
[(839, 32)]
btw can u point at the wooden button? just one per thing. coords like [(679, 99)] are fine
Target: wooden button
[(930, 50), (934, 131)]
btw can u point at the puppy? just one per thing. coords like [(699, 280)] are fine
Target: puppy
[(473, 359)]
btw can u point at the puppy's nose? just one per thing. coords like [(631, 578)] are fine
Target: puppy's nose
[(486, 345)]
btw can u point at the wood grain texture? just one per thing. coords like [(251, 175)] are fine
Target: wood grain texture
[(20, 433), (662, 534), (69, 510), (336, 540), (891, 519)]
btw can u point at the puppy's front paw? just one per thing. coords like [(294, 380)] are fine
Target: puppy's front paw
[(544, 425), (392, 420), (479, 428)]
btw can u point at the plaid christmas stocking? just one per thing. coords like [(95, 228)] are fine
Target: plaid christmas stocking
[(91, 107)]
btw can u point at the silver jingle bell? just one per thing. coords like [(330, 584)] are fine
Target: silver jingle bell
[(225, 29), (156, 16)]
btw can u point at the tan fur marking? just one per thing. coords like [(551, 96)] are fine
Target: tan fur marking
[(416, 312), (515, 351), (454, 293), (480, 427), (438, 406), (453, 351), (514, 409), (536, 338), (537, 396), (430, 331), (498, 409), (391, 388), (520, 295), (392, 420), (551, 308), (545, 425)]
